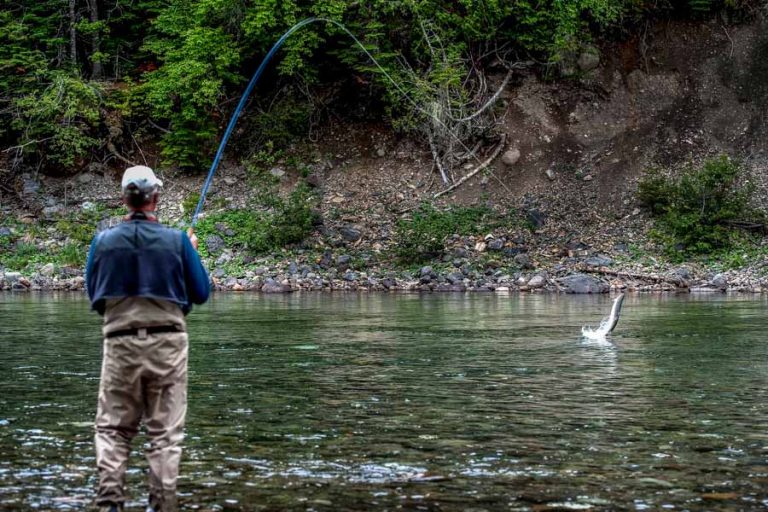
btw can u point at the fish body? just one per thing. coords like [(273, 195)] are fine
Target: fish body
[(608, 324)]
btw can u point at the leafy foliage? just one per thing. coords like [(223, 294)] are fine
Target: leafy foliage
[(422, 236), (203, 45), (181, 64), (697, 211), (60, 120)]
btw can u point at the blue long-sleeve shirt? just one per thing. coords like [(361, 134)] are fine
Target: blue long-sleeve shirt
[(141, 258)]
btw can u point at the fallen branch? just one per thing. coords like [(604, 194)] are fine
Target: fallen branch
[(730, 55), (113, 151), (157, 126), (490, 102), (676, 280), (22, 146), (7, 188), (477, 169), (747, 225), (139, 148)]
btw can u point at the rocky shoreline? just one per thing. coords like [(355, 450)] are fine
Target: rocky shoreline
[(287, 277)]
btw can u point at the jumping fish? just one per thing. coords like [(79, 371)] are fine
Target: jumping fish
[(608, 324)]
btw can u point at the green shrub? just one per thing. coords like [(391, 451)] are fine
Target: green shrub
[(286, 119), (72, 254), (59, 121), (293, 219), (697, 212), (81, 231), (290, 221), (19, 256), (423, 235)]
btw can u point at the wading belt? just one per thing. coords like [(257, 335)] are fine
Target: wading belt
[(144, 330)]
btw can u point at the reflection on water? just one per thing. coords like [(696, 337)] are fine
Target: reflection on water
[(431, 402)]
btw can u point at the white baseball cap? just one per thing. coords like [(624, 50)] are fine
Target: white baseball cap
[(143, 177)]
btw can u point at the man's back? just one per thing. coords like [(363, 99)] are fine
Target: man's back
[(142, 258)]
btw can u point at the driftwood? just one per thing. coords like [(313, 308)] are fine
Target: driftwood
[(158, 127), (676, 280), (748, 226), (477, 169)]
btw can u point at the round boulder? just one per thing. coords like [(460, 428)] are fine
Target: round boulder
[(589, 59), (350, 233), (215, 244), (582, 283), (510, 157)]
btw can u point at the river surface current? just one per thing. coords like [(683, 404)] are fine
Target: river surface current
[(472, 402)]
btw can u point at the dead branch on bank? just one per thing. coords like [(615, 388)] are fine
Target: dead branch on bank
[(479, 168), (459, 103), (675, 280)]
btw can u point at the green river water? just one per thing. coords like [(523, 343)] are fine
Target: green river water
[(471, 402)]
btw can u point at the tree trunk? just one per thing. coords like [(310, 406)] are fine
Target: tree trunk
[(72, 32), (96, 66)]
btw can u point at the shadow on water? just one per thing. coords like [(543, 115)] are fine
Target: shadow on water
[(418, 402)]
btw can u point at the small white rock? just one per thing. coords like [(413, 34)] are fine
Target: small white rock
[(510, 157)]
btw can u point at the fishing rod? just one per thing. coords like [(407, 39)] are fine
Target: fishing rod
[(257, 75)]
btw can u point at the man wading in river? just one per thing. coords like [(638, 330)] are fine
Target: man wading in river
[(143, 278)]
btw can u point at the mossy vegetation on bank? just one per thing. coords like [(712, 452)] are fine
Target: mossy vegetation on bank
[(62, 240), (264, 227), (423, 234)]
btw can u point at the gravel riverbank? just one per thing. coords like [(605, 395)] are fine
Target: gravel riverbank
[(335, 274)]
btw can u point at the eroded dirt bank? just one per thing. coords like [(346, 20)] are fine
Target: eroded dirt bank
[(574, 151)]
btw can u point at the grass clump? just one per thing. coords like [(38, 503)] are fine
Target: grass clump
[(289, 221), (699, 212), (22, 251), (422, 236)]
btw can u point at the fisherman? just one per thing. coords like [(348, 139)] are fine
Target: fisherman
[(143, 278)]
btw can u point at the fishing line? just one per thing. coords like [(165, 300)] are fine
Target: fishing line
[(257, 75)]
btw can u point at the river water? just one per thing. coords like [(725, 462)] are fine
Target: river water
[(346, 402)]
